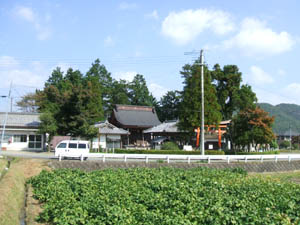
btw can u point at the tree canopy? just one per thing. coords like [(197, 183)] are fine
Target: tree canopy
[(190, 107), (252, 126)]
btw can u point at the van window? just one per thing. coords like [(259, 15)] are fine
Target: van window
[(62, 145), (72, 145), (81, 145)]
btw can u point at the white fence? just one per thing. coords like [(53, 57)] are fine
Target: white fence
[(185, 158)]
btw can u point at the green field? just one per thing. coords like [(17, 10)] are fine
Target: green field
[(165, 196), (3, 164)]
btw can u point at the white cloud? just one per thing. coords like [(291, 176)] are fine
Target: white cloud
[(187, 25), (157, 90), (273, 98), (124, 75), (255, 38), (152, 15), (8, 61), (293, 91), (108, 41), (27, 14), (281, 72), (259, 77), (127, 6)]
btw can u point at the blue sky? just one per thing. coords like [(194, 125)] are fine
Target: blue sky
[(150, 37)]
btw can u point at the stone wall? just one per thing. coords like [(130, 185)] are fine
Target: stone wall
[(259, 167)]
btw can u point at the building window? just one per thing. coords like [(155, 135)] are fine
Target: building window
[(35, 141), (20, 138)]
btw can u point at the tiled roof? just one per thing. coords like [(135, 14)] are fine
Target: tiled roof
[(140, 116), (17, 119), (108, 128), (167, 127)]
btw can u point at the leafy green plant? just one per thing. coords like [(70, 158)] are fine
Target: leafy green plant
[(164, 196), (169, 146)]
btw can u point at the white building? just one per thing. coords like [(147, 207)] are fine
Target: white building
[(109, 136), (21, 132)]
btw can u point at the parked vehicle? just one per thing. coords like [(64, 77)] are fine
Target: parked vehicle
[(72, 149)]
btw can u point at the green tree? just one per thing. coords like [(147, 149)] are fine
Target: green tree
[(169, 106), (190, 108), (252, 126), (99, 70), (285, 145), (48, 125), (120, 93), (232, 97), (28, 103), (139, 93), (74, 100)]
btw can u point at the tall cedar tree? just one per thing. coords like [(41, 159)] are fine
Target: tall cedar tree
[(169, 106), (98, 70), (252, 126), (139, 93), (232, 97), (120, 93), (190, 108)]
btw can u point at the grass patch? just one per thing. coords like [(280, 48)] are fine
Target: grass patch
[(290, 177), (3, 164), (12, 189)]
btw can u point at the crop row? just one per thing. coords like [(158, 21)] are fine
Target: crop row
[(164, 196)]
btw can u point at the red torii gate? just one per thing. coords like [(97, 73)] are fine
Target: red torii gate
[(208, 129)]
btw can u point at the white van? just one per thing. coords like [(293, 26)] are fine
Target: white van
[(72, 148)]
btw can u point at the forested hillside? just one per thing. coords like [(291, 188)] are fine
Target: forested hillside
[(286, 115)]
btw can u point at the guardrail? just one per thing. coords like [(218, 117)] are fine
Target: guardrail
[(184, 158)]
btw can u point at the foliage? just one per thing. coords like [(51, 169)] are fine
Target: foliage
[(169, 106), (285, 144), (169, 146), (104, 83), (73, 100), (164, 196), (28, 103), (286, 116), (252, 126), (168, 152), (231, 95), (252, 153), (139, 93), (190, 107), (274, 144)]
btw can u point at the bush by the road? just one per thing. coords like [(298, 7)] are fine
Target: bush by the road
[(167, 152)]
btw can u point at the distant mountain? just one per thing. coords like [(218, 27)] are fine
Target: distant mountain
[(286, 116)]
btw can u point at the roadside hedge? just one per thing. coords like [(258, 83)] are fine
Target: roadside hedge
[(168, 152), (251, 153)]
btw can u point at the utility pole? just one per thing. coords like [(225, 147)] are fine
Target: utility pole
[(202, 102), (202, 98), (5, 119), (290, 137)]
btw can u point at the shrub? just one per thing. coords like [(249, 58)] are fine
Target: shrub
[(164, 196), (169, 146), (252, 153), (168, 152)]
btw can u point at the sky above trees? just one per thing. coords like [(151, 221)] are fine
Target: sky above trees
[(150, 38)]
